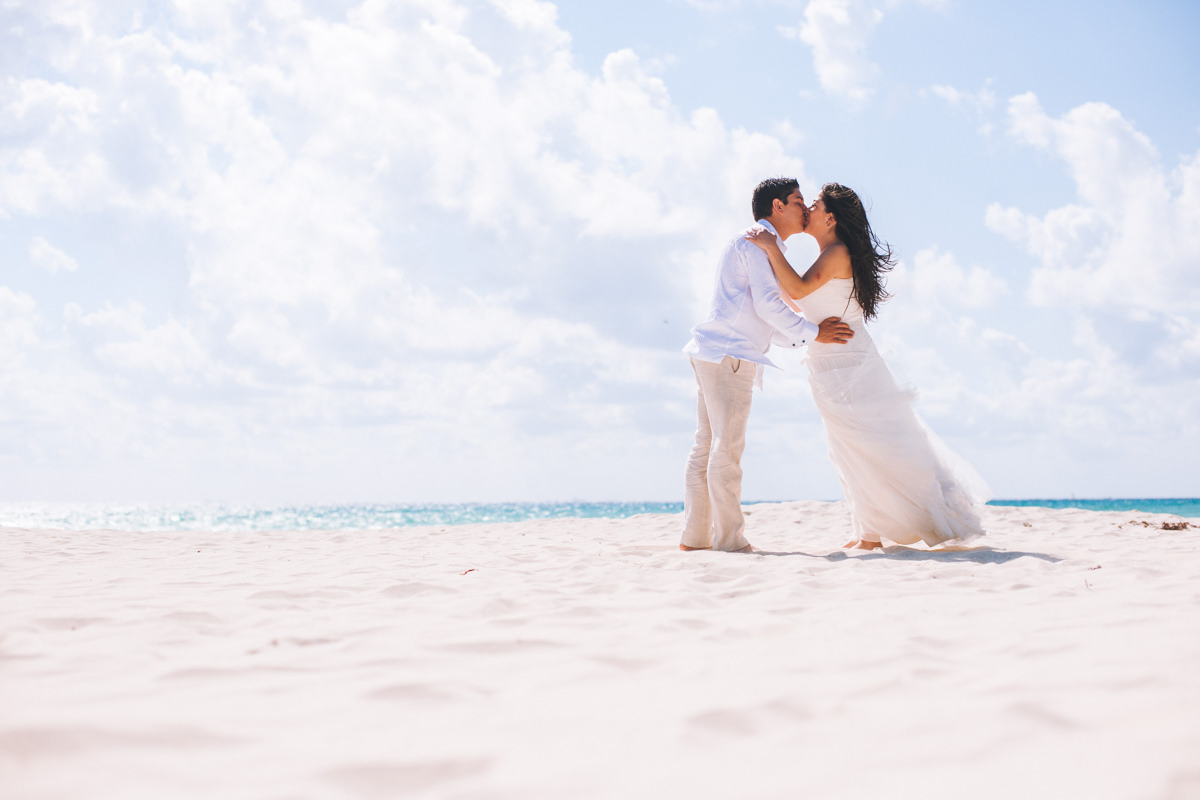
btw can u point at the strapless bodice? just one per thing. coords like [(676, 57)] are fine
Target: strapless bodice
[(836, 299)]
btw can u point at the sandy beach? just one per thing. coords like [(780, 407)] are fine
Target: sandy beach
[(1059, 658)]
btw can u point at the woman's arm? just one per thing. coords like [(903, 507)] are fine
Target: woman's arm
[(834, 262)]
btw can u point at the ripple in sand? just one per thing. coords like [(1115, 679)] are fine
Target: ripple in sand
[(69, 623), (48, 742), (415, 588), (1183, 785), (1044, 715), (624, 664), (209, 673), (193, 616), (389, 780), (723, 721), (411, 692), (499, 647)]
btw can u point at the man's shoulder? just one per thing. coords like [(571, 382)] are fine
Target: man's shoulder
[(741, 235), (742, 257), (747, 250), (740, 244), (732, 253)]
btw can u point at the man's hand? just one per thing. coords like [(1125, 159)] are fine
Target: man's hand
[(834, 331)]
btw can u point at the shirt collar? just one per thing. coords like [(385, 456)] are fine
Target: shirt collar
[(778, 238)]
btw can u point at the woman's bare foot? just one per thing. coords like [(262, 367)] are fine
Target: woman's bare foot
[(747, 549), (862, 544)]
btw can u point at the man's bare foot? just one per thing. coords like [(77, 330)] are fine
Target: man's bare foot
[(747, 549)]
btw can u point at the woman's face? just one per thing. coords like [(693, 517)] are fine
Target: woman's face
[(819, 220)]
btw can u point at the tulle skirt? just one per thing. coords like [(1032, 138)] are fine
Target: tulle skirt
[(902, 483)]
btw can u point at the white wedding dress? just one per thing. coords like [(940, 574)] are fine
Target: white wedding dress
[(901, 482)]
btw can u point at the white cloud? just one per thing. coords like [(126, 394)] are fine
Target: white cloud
[(980, 101), (1033, 410), (937, 277), (978, 104), (959, 365), (18, 321), (375, 223), (715, 5), (535, 15), (382, 256), (838, 31), (49, 257), (118, 337), (1110, 367), (1129, 245)]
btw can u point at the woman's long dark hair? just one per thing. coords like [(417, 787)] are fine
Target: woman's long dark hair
[(869, 257)]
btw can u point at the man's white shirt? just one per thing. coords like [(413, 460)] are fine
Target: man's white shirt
[(748, 312)]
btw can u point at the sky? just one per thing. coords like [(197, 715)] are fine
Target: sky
[(415, 251)]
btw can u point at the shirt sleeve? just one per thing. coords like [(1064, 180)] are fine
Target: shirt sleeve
[(791, 329)]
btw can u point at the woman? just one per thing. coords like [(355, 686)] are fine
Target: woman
[(895, 473)]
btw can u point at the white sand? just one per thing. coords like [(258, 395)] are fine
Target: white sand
[(591, 659)]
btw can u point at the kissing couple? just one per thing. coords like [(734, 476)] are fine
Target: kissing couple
[(900, 481)]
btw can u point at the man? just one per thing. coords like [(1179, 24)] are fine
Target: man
[(728, 353)]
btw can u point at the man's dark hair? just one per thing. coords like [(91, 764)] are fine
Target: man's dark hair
[(770, 190)]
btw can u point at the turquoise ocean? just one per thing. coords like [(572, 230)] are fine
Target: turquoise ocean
[(360, 516)]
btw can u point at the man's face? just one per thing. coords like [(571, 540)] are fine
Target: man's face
[(793, 213)]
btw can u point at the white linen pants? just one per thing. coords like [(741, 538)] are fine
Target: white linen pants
[(712, 503)]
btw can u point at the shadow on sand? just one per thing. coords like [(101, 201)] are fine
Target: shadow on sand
[(977, 555)]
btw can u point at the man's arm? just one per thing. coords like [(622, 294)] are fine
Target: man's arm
[(791, 329)]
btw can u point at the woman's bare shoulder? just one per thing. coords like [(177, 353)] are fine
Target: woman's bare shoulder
[(837, 250), (836, 258)]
